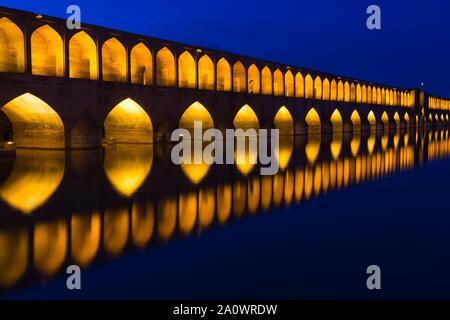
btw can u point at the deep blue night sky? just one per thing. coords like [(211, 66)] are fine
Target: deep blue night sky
[(412, 47)]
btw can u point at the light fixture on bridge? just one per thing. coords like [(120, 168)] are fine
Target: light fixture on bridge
[(39, 16), (199, 50)]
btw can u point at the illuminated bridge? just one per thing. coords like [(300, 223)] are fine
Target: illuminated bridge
[(62, 88)]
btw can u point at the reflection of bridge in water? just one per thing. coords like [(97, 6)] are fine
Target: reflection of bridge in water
[(65, 88), (68, 211)]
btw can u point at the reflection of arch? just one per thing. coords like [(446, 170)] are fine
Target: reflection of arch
[(187, 214), (223, 203), (12, 48), (336, 121), (266, 81), (254, 82), (309, 87), (289, 84), (142, 223), (278, 83), (299, 85), (127, 166), (129, 123), (196, 112), (186, 71), (35, 123), (313, 121), (283, 121), (35, 176), (116, 224), (83, 60), (223, 75), (372, 120), (165, 68), (195, 172), (356, 120), (141, 65), (85, 237), (50, 246), (286, 147), (13, 256), (239, 77), (47, 52), (114, 61), (246, 118), (205, 73)]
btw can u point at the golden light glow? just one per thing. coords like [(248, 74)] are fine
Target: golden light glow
[(312, 148), (128, 123), (239, 198), (114, 61), (352, 93), (286, 147), (167, 218), (35, 176), (254, 82), (336, 145), (12, 48), (245, 159), (356, 120), (364, 94), (318, 88), (266, 190), (127, 166), (142, 224), (385, 120), (289, 84), (35, 123), (372, 120), (206, 207), (278, 83), (239, 77), (13, 256), (326, 90), (205, 73), (299, 85), (47, 52), (50, 246), (165, 68), (267, 87), (358, 93), (223, 75), (253, 191), (283, 121), (85, 237), (141, 65), (309, 87), (333, 90), (346, 92), (340, 91), (195, 172), (196, 112), (187, 73), (187, 214), (313, 121), (223, 203), (116, 225), (336, 121), (397, 119), (246, 118), (83, 59)]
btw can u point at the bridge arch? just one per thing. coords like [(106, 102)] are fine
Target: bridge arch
[(278, 83), (336, 121), (309, 87), (12, 48), (406, 118), (205, 73), (333, 90), (355, 119), (239, 77), (254, 81), (289, 84), (313, 122), (347, 92), (83, 61), (141, 64), (385, 120), (196, 112), (397, 120), (326, 89), (223, 75), (47, 52), (363, 94), (358, 93), (128, 122), (187, 73), (340, 91), (318, 88), (165, 68), (283, 121), (246, 118), (114, 61), (299, 85), (372, 120), (267, 84), (34, 123)]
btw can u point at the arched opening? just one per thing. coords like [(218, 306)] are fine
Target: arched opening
[(283, 121), (47, 52), (14, 256), (385, 120), (246, 118), (289, 84), (83, 57), (278, 83), (358, 93), (239, 77), (340, 91), (116, 228), (205, 73), (333, 90), (352, 92), (379, 99), (128, 123), (196, 112), (186, 71), (363, 94), (12, 48), (309, 87), (299, 85), (372, 120), (356, 121), (165, 68), (406, 117), (397, 120), (85, 234), (326, 89), (223, 75), (253, 79), (313, 122), (266, 81), (34, 123), (336, 121), (114, 61), (141, 65), (318, 88), (346, 92)]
